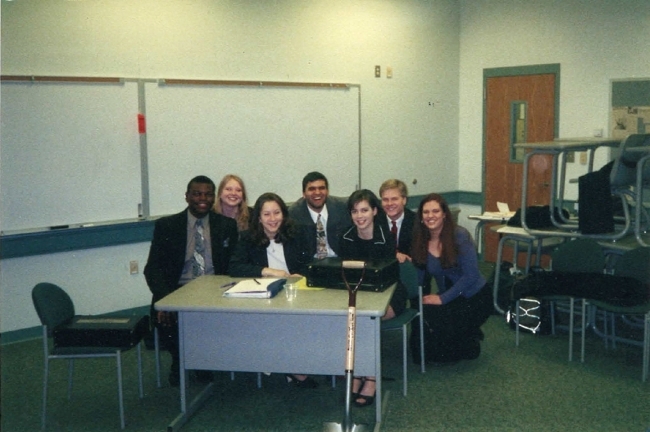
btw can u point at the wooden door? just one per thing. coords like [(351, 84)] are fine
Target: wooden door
[(505, 125)]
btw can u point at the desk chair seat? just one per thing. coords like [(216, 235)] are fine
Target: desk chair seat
[(409, 277), (79, 337), (571, 262), (634, 264)]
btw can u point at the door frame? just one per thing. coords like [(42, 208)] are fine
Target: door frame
[(551, 68)]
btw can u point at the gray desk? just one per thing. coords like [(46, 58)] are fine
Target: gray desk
[(558, 150), (541, 241), (306, 335), (641, 181), (486, 217)]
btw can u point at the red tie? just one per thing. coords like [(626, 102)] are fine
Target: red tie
[(393, 231)]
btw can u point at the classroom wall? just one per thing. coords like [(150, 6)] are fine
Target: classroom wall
[(408, 122), (431, 110), (594, 41)]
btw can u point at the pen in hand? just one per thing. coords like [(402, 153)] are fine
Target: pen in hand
[(257, 282)]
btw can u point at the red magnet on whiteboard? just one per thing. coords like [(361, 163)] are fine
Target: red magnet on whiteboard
[(142, 125)]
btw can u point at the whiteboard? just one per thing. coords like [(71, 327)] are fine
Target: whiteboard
[(269, 136), (70, 153)]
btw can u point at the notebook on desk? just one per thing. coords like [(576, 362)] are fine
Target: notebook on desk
[(256, 288)]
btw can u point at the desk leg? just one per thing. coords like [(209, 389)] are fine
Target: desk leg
[(183, 373), (497, 274), (186, 411), (640, 165), (378, 394), (478, 237)]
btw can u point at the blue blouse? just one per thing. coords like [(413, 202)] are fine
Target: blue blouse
[(464, 279)]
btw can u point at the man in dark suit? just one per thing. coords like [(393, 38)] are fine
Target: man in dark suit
[(394, 194), (316, 204), (187, 245)]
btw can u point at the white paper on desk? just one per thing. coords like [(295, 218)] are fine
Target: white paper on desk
[(252, 288), (503, 208)]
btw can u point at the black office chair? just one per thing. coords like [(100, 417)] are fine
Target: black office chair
[(409, 277), (569, 260), (78, 337), (634, 264)]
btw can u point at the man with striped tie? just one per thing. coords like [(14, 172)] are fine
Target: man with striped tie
[(325, 216), (187, 245)]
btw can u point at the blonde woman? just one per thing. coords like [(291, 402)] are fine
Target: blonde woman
[(232, 202)]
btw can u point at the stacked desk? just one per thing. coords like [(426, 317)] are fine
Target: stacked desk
[(558, 149), (304, 336), (517, 235), (487, 217)]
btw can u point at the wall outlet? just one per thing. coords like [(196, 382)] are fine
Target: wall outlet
[(133, 267), (377, 71)]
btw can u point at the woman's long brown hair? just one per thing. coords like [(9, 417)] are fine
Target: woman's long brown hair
[(421, 235)]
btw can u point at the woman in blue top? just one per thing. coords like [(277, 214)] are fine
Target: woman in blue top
[(453, 316)]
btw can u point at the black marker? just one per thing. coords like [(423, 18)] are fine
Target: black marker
[(56, 227)]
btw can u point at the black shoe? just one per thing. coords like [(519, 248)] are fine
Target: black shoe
[(362, 400), (354, 394), (203, 376), (307, 383)]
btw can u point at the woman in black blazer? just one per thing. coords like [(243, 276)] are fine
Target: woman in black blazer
[(273, 246)]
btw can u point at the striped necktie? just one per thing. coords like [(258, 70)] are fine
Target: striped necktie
[(321, 240), (393, 231), (198, 266)]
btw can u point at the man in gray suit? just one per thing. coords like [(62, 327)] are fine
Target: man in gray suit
[(317, 209)]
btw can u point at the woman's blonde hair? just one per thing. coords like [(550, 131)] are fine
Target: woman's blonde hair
[(243, 215)]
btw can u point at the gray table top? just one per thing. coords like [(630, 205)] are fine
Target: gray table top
[(570, 144), (205, 294)]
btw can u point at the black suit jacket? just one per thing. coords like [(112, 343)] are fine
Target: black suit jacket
[(406, 233), (338, 219), (249, 259), (167, 252)]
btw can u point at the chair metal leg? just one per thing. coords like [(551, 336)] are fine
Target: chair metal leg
[(613, 330), (646, 347), (552, 308), (45, 379), (404, 359), (495, 284), (156, 344), (232, 376), (70, 373), (140, 384), (259, 380), (571, 316), (422, 367), (517, 323), (584, 326), (120, 394)]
